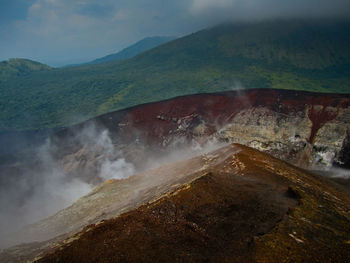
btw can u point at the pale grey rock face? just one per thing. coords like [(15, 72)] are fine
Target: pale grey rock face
[(330, 138), (287, 136), (266, 125)]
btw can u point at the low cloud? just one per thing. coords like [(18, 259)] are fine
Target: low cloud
[(260, 9), (201, 6)]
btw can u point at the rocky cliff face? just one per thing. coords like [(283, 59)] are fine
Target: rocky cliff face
[(305, 129), (291, 137)]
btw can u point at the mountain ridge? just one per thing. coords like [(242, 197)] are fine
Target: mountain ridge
[(133, 50), (19, 67), (297, 55)]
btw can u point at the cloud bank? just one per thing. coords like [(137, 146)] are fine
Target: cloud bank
[(273, 8)]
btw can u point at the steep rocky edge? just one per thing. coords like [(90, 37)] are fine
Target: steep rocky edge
[(241, 206), (305, 129)]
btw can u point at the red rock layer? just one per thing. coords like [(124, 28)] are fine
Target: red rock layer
[(157, 120)]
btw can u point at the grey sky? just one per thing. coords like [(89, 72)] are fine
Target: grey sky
[(60, 32)]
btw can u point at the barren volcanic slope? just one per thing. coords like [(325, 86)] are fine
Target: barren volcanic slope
[(242, 206)]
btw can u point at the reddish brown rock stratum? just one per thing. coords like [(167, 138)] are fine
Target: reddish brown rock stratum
[(303, 128), (157, 119), (309, 130), (243, 206)]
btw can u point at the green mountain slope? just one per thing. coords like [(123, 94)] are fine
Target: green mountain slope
[(133, 50), (302, 55), (18, 67)]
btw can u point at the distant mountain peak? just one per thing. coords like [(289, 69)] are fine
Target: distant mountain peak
[(19, 66), (135, 49)]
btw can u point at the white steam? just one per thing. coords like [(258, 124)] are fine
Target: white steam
[(338, 173), (65, 171), (118, 169), (49, 183), (37, 194), (110, 161)]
